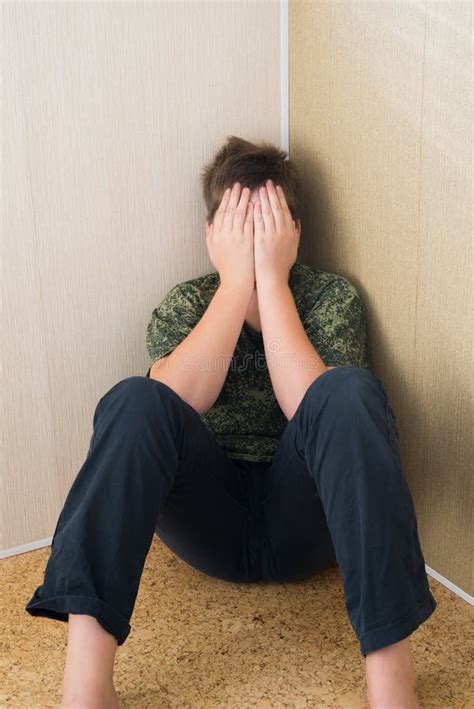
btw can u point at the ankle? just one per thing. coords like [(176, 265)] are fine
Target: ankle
[(100, 697), (391, 678), (392, 696)]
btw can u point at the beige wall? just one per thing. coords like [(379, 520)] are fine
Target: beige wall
[(380, 110), (110, 110)]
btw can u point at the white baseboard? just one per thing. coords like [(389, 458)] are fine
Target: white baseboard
[(14, 551), (431, 572), (449, 584)]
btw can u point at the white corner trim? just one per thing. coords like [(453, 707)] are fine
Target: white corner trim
[(449, 584), (48, 540), (284, 63), (39, 544)]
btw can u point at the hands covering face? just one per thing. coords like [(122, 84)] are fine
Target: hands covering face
[(276, 236), (249, 243)]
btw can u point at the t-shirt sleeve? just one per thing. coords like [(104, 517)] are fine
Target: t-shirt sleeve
[(171, 322), (337, 326)]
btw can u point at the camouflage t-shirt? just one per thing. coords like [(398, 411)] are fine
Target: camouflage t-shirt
[(246, 418)]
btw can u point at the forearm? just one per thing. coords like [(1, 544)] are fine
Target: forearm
[(197, 368), (293, 363)]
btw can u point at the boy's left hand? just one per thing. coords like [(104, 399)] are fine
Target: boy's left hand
[(276, 236)]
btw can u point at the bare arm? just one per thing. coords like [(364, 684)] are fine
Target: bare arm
[(295, 364), (198, 366)]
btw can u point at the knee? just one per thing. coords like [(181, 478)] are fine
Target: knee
[(346, 384), (129, 385), (137, 392), (134, 383)]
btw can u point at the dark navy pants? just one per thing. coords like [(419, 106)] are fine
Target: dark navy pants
[(334, 493)]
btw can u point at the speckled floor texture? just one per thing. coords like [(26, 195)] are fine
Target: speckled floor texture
[(197, 641)]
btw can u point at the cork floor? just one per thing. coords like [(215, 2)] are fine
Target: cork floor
[(197, 641)]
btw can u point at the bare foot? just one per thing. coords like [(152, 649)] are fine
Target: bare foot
[(391, 678)]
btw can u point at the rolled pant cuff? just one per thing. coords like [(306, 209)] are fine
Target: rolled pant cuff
[(58, 607), (398, 630)]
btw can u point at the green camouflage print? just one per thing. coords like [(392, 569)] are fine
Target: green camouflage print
[(246, 418)]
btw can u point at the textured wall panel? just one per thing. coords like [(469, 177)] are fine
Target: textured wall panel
[(381, 127), (110, 110)]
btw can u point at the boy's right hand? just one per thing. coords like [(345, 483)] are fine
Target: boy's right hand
[(229, 238)]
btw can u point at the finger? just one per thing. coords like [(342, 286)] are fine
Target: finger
[(240, 213), (248, 226), (284, 206), (209, 227), (258, 223), (228, 220), (219, 216), (276, 207), (268, 220)]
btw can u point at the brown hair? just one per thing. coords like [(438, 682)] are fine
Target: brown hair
[(250, 164)]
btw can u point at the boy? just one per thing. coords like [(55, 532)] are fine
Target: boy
[(258, 446)]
